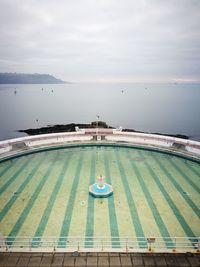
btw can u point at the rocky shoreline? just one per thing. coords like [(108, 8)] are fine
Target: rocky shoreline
[(71, 128)]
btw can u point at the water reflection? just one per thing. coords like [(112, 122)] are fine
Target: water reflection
[(147, 107)]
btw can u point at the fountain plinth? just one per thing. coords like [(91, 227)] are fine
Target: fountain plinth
[(100, 188)]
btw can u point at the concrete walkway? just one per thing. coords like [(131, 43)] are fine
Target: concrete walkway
[(97, 260)]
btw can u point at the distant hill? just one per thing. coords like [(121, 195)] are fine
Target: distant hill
[(21, 78)]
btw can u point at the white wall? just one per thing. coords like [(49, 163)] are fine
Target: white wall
[(50, 141), (5, 149), (138, 140), (111, 135)]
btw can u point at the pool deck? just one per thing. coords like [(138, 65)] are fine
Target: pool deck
[(98, 259)]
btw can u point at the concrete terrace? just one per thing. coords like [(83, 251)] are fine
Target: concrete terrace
[(98, 260)]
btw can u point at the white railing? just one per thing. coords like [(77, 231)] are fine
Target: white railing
[(121, 244), (110, 135)]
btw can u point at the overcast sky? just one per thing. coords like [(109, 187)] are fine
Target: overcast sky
[(102, 40)]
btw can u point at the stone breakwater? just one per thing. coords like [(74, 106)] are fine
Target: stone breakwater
[(72, 126)]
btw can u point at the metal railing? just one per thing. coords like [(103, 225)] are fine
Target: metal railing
[(90, 243)]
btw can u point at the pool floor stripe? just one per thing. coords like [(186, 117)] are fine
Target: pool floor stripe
[(177, 186), (186, 177), (27, 179), (90, 209), (188, 231), (6, 168), (111, 206), (55, 220), (158, 219), (101, 214), (185, 167), (79, 213), (10, 165), (70, 205), (124, 219), (15, 175), (27, 209), (133, 211), (44, 219), (193, 170)]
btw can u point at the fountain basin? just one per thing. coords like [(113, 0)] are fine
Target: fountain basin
[(96, 191)]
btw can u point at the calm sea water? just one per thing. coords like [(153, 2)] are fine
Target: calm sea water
[(164, 108)]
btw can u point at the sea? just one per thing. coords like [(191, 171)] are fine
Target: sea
[(171, 108)]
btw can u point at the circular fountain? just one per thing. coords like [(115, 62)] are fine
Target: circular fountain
[(100, 188)]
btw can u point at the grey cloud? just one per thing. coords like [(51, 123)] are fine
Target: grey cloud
[(97, 40)]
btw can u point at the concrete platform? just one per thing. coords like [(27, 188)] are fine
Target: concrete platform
[(98, 260)]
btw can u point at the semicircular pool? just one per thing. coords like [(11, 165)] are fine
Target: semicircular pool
[(155, 194)]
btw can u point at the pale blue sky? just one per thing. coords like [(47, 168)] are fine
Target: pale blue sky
[(106, 40)]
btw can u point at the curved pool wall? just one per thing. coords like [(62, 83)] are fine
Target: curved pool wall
[(30, 144), (108, 138)]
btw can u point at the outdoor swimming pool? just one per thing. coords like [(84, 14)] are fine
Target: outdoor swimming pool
[(46, 194)]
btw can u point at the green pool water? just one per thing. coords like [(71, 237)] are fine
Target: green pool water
[(46, 193)]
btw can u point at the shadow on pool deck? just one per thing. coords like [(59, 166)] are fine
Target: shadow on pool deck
[(98, 259)]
